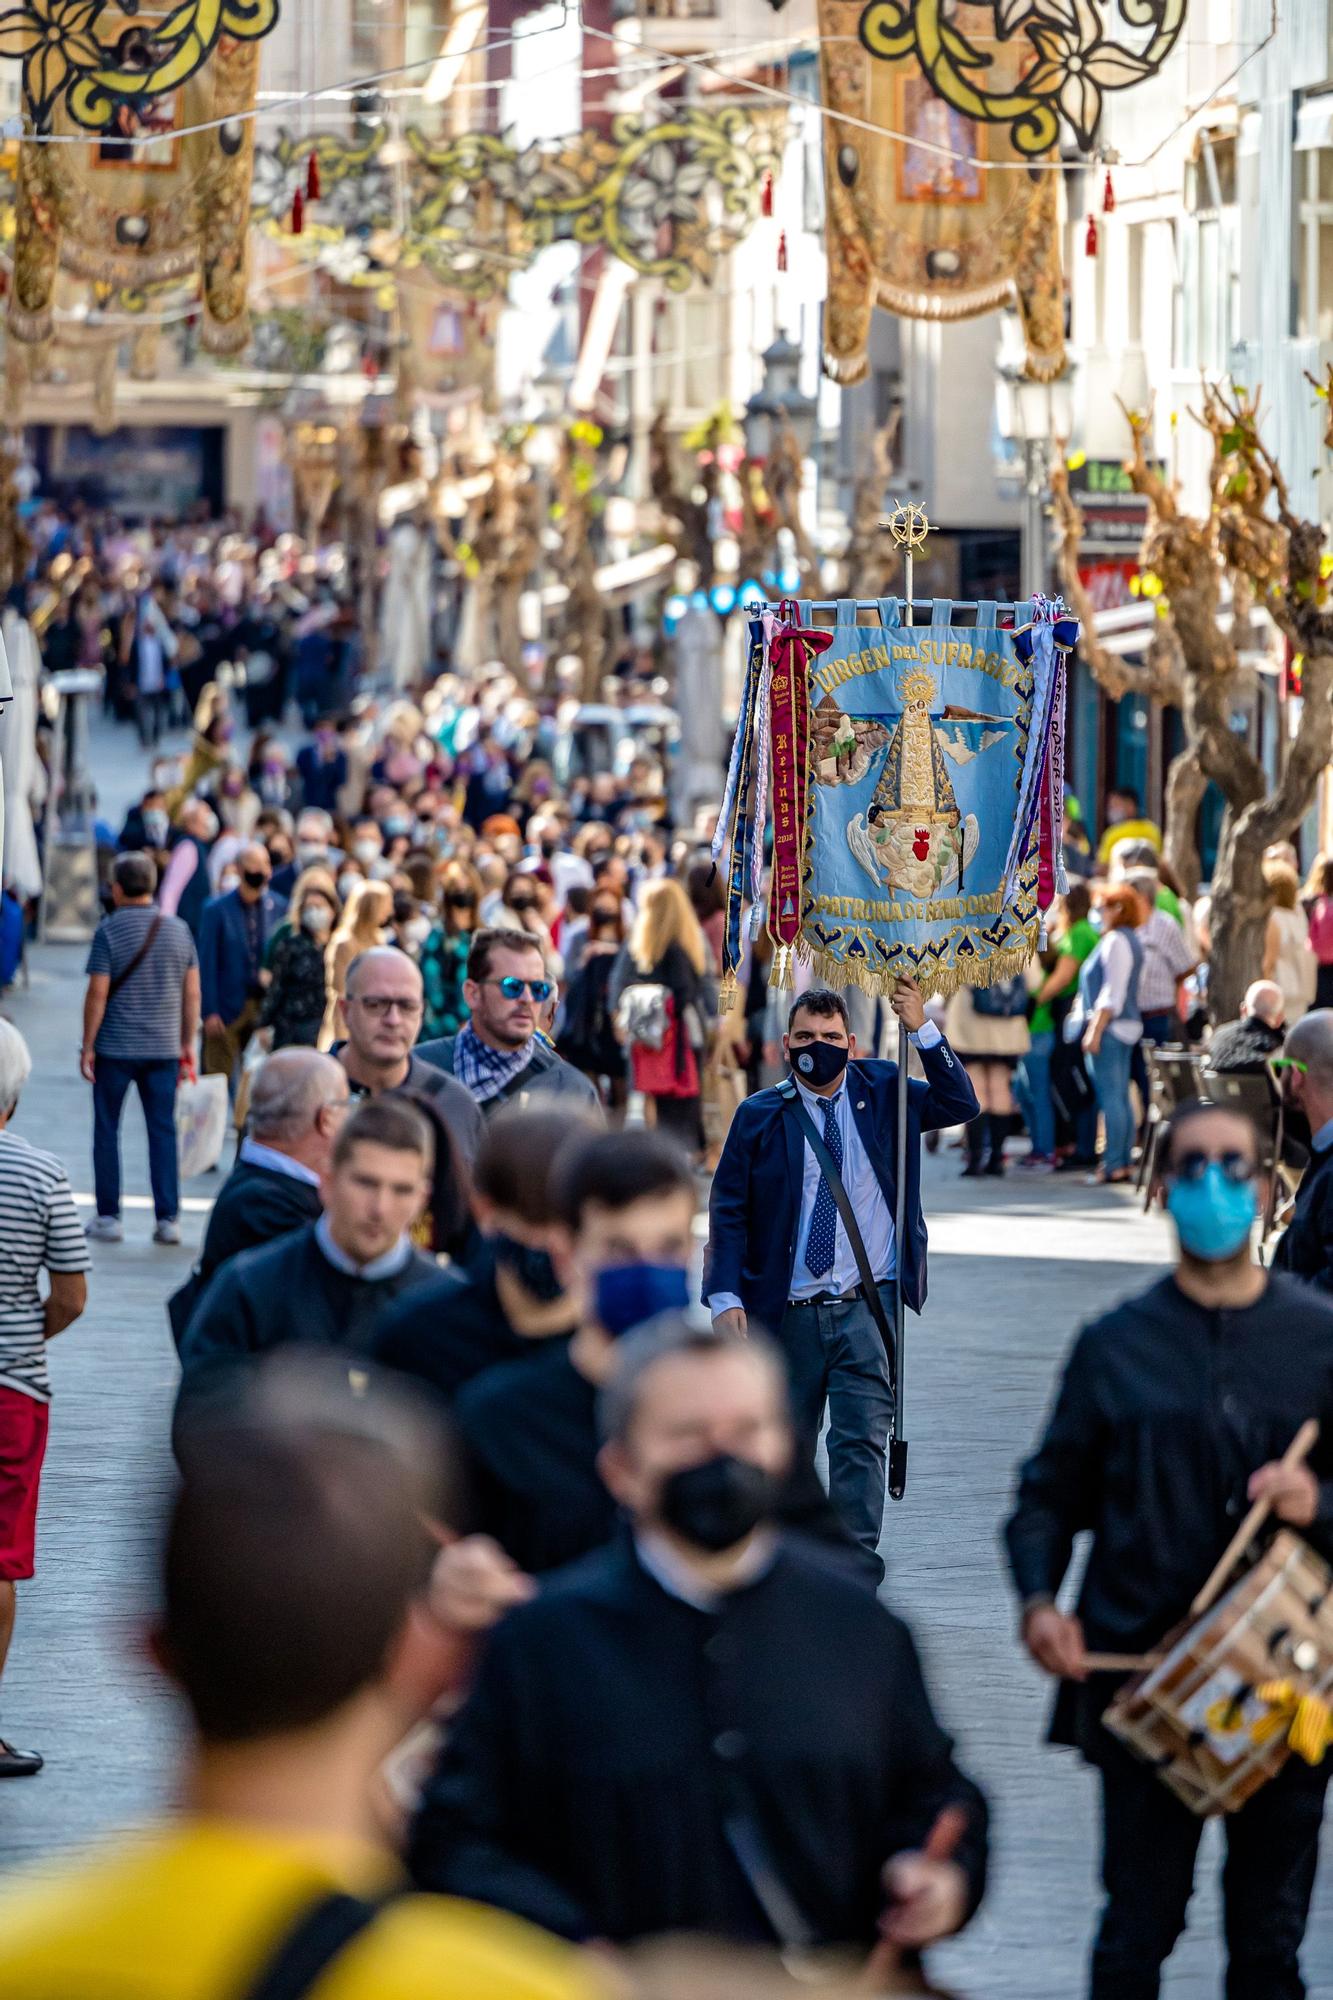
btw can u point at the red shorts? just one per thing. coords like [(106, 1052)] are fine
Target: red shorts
[(23, 1427)]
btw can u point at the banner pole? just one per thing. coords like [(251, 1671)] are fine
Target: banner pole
[(909, 528)]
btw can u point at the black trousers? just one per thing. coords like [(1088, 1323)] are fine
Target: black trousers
[(1151, 1842)]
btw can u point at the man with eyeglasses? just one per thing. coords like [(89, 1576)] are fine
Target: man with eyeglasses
[(1306, 1069), (382, 1008), (1172, 1415), (500, 1053)]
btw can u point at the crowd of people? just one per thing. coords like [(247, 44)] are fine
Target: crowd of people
[(511, 1614)]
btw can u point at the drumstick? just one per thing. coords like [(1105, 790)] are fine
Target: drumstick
[(943, 1838), (1297, 1451), (1119, 1663)]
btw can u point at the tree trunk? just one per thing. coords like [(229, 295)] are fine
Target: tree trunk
[(1240, 902), (1185, 787)]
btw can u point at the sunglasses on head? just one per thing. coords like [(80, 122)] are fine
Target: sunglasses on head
[(513, 988), (1192, 1166)]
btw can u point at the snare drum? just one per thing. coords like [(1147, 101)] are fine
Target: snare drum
[(1237, 1689)]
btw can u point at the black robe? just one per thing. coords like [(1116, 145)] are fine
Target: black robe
[(446, 1333), (283, 1294), (255, 1204), (620, 1745), (529, 1429), (1165, 1411)]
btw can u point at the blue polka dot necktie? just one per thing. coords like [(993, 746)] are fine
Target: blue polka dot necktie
[(824, 1221)]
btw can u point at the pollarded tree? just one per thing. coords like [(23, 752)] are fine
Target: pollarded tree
[(1250, 550)]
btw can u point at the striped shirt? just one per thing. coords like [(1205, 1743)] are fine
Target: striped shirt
[(38, 1226), (142, 1022)]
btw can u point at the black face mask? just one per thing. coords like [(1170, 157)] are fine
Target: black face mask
[(457, 901), (254, 879), (717, 1504), (533, 1268), (520, 905), (819, 1063)]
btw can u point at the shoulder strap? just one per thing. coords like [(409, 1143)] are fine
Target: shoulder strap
[(128, 971), (308, 1948), (792, 1103)]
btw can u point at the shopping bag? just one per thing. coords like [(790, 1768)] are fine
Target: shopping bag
[(201, 1123)]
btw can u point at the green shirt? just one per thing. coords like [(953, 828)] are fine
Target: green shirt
[(1079, 943), (1168, 900)]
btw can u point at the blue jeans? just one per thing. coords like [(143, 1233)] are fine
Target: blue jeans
[(835, 1355), (1032, 1088), (156, 1084), (1110, 1075)]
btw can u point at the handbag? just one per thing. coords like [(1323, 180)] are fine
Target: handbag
[(670, 1070)]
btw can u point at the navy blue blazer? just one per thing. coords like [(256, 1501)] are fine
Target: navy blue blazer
[(754, 1211), (224, 970)]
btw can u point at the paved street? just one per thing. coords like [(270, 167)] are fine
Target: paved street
[(1013, 1268)]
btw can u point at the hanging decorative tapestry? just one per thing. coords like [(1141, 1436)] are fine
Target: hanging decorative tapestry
[(944, 222), (917, 797), (149, 197)]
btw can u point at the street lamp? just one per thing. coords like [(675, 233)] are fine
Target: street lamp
[(1034, 415), (779, 400)]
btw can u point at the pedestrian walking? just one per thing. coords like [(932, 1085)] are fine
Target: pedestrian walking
[(498, 1054), (1167, 962), (806, 1766), (140, 1019), (1318, 901), (39, 1231), (779, 1252), (233, 934), (665, 1005), (987, 1027), (366, 912), (1288, 960), (296, 1624), (1107, 1022), (1306, 1067), (1044, 1071), (1171, 1415), (187, 885), (382, 1009), (296, 997), (512, 1303), (326, 1283), (297, 1105)]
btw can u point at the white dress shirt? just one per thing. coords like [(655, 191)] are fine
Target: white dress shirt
[(863, 1192)]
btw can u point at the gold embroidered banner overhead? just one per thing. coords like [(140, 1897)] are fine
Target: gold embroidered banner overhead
[(920, 224), (148, 198)]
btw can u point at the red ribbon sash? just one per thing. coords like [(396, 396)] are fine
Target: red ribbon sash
[(790, 652)]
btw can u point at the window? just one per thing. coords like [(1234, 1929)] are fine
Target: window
[(1313, 169)]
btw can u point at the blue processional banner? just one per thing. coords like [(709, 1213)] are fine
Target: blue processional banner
[(931, 790)]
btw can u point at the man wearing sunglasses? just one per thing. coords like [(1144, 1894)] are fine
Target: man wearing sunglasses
[(1306, 1069), (1172, 1415), (500, 1054)]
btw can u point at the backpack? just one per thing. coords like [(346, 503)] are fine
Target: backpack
[(1004, 1001)]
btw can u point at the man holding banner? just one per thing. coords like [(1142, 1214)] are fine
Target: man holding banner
[(801, 1230)]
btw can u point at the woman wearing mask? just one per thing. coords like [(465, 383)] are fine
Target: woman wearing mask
[(663, 1001), (444, 955), (366, 916), (1107, 1021), (297, 996), (588, 1038), (523, 911)]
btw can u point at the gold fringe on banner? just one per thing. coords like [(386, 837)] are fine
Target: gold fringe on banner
[(939, 984)]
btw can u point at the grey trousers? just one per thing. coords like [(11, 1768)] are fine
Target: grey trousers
[(836, 1356)]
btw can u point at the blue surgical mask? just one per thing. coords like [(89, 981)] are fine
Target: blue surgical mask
[(625, 1295), (1213, 1214)]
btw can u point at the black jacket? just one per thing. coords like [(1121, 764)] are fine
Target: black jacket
[(1306, 1248), (1164, 1412), (255, 1205), (283, 1294), (446, 1333), (1242, 1048), (547, 1072), (614, 1731), (457, 1107)]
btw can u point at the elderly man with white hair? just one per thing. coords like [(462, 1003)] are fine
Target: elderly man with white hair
[(40, 1231), (297, 1105), (1244, 1047)]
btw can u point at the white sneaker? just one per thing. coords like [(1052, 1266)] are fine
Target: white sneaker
[(167, 1232), (104, 1229)]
